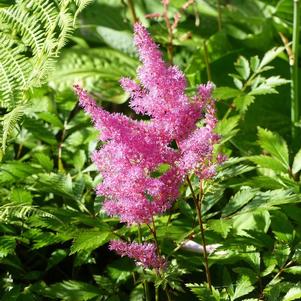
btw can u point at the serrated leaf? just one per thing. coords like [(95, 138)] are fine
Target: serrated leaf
[(220, 226), (45, 161), (263, 89), (56, 257), (117, 39), (7, 245), (202, 292), (72, 291), (59, 184), (51, 118), (275, 145), (296, 270), (227, 128), (89, 240), (293, 294), (282, 227), (243, 287), (254, 63), (270, 56), (137, 293), (268, 162), (237, 201), (79, 159), (19, 195), (238, 83), (243, 102), (9, 122), (297, 163), (225, 93), (275, 81), (242, 66)]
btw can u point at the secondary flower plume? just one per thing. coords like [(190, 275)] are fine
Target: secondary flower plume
[(134, 150), (145, 254)]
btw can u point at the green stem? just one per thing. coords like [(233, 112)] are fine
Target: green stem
[(156, 294), (144, 283), (295, 115), (206, 55), (198, 205), (219, 16), (168, 294), (132, 10)]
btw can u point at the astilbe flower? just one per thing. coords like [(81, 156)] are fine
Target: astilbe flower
[(145, 254), (133, 149)]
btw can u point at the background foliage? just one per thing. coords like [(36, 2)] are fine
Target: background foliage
[(53, 231)]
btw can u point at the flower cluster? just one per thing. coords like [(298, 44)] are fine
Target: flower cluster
[(144, 254), (134, 150)]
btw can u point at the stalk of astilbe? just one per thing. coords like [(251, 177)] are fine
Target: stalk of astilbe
[(134, 150)]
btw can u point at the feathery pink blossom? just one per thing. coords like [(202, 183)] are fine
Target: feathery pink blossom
[(134, 150), (145, 254)]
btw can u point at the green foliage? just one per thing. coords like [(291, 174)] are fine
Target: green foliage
[(54, 234)]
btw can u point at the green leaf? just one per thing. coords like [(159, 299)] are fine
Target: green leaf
[(45, 161), (51, 118), (225, 93), (297, 163), (227, 128), (59, 184), (293, 294), (117, 39), (243, 287), (237, 201), (270, 56), (258, 221), (238, 83), (275, 145), (89, 240), (268, 162), (137, 294), (220, 226), (9, 123), (79, 159), (72, 291), (243, 102), (282, 227), (242, 66), (20, 195), (263, 89), (295, 270), (254, 63), (56, 257), (203, 293), (7, 245)]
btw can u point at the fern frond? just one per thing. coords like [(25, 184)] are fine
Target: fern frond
[(29, 29), (65, 22), (22, 211), (31, 35), (92, 64), (46, 10), (81, 5), (9, 122), (7, 87), (19, 65)]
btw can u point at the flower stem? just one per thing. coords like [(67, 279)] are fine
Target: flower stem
[(206, 56), (144, 283), (132, 10), (198, 204), (295, 107), (219, 16)]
